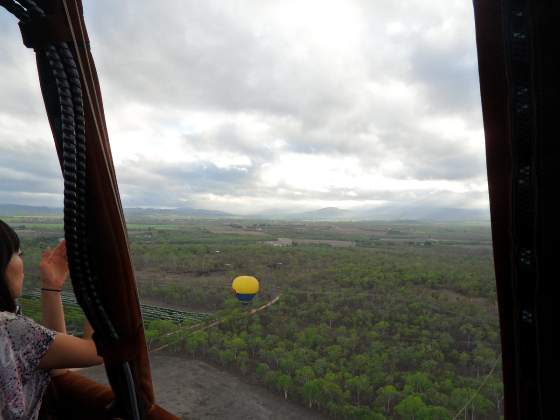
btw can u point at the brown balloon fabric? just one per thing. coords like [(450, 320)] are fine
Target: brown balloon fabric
[(73, 396), (105, 228)]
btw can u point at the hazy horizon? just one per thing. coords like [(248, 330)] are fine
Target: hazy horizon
[(333, 214)]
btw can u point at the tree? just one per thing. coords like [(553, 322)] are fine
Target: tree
[(270, 378), (358, 413), (254, 342), (312, 392), (236, 344), (410, 407), (309, 337), (496, 390), (381, 327), (483, 358), (287, 364), (478, 404), (349, 342), (387, 396), (358, 385), (262, 369), (332, 391), (359, 363), (243, 361), (195, 342), (304, 375), (284, 383), (226, 356), (334, 353), (433, 413), (330, 316), (320, 366), (157, 329), (417, 382)]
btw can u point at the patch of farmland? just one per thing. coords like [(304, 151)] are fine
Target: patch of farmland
[(149, 312)]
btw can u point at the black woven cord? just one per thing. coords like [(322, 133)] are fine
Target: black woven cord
[(32, 8), (15, 9), (88, 275)]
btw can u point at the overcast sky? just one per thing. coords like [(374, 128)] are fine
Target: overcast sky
[(245, 106)]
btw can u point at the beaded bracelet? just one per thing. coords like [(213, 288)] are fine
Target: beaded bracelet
[(51, 290)]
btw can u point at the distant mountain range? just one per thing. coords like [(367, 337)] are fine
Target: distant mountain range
[(19, 210), (433, 213), (178, 212), (411, 212)]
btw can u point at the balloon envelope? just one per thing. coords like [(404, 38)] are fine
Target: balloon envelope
[(245, 288)]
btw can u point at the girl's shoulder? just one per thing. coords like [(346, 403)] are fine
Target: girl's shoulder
[(23, 342), (7, 316), (23, 331), (11, 320)]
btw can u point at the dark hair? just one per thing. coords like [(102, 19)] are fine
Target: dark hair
[(9, 245)]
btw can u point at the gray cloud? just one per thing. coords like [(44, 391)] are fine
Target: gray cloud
[(29, 173)]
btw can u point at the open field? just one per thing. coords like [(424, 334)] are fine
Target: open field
[(195, 390)]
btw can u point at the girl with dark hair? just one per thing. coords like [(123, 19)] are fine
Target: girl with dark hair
[(30, 353), (9, 246)]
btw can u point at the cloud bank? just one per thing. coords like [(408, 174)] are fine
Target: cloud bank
[(262, 105)]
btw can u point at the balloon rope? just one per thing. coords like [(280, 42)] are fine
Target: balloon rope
[(90, 97)]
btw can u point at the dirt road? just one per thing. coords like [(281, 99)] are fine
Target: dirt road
[(195, 390)]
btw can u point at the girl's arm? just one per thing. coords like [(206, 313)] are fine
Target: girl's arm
[(52, 311), (67, 351), (88, 330), (54, 270)]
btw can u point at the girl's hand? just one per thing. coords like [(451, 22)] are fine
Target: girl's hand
[(54, 266)]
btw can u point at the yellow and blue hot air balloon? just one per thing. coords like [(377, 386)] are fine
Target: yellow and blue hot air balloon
[(245, 288)]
